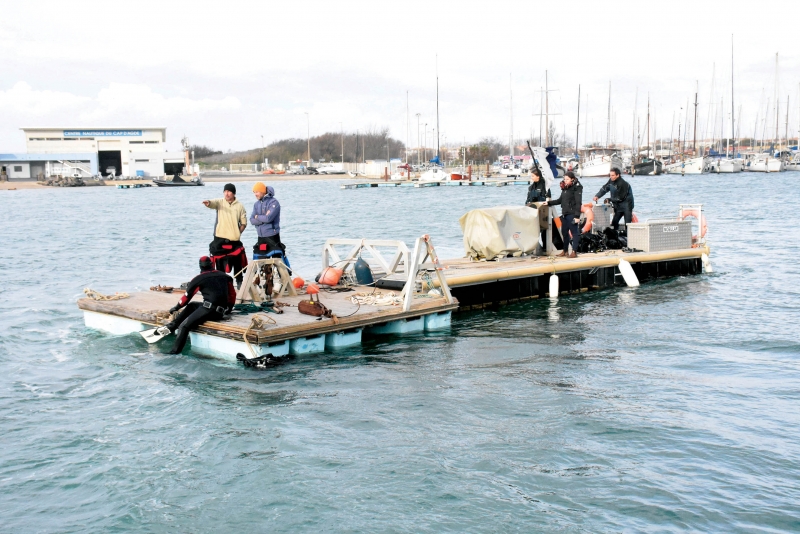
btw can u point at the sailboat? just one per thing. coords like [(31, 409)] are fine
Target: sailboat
[(648, 166), (728, 164), (599, 161), (695, 165), (769, 161)]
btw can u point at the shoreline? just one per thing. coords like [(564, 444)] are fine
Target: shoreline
[(266, 178)]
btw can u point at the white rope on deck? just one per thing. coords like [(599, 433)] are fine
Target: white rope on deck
[(376, 299), (92, 294)]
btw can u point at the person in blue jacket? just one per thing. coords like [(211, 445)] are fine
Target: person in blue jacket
[(266, 218)]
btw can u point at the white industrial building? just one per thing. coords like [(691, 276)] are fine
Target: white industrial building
[(127, 152)]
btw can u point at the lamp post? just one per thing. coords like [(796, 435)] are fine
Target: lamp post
[(262, 153), (308, 136)]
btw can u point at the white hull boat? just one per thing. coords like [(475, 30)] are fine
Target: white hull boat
[(765, 164), (436, 174), (599, 166), (512, 170), (689, 166), (724, 166), (793, 165), (331, 168)]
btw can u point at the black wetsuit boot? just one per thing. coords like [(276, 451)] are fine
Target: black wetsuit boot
[(192, 316)]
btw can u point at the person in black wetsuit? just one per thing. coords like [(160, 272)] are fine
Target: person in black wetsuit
[(571, 200), (218, 299), (621, 197)]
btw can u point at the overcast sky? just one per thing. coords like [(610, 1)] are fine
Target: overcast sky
[(226, 73)]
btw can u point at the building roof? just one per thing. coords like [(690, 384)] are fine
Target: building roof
[(96, 128)]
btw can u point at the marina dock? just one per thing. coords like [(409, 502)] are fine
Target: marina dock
[(447, 183)]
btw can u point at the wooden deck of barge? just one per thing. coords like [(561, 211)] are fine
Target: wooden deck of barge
[(151, 308)]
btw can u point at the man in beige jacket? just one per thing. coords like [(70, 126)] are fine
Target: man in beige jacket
[(227, 251)]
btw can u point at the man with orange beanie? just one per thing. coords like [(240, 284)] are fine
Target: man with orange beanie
[(266, 218)]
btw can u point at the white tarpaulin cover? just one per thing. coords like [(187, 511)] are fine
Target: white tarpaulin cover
[(499, 232)]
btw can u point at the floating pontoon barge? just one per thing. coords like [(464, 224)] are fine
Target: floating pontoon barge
[(425, 292)]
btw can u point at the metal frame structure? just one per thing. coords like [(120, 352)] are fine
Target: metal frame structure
[(423, 258), (423, 251), (249, 291), (331, 257)]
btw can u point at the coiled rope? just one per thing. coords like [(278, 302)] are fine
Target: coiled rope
[(92, 294)]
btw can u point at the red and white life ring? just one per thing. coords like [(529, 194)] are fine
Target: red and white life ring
[(586, 209), (700, 218)]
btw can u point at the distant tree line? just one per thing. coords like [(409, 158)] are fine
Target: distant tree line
[(370, 144), (202, 151)]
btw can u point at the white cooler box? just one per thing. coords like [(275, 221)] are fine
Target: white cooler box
[(660, 234)]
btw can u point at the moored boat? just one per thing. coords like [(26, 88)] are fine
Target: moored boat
[(599, 162), (724, 166), (764, 163), (177, 181), (435, 174), (688, 166), (649, 167)]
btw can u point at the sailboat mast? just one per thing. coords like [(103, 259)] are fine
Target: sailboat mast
[(787, 122), (541, 115), (608, 121), (648, 126), (546, 111), (437, 110), (578, 127), (634, 152), (733, 108), (407, 127), (694, 142), (510, 118), (777, 104)]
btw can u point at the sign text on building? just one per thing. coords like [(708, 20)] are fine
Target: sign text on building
[(102, 133)]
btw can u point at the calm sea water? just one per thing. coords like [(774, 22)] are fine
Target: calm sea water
[(670, 407)]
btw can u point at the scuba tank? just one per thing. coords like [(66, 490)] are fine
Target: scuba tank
[(363, 272)]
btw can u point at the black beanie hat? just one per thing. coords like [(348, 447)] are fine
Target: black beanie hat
[(230, 187), (205, 263)]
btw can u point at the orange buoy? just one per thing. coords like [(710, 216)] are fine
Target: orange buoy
[(330, 276), (586, 209), (312, 289), (298, 282)]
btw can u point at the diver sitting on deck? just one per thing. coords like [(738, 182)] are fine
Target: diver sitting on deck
[(266, 218), (218, 299), (227, 252), (571, 200)]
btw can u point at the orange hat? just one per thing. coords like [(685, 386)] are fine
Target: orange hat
[(259, 187)]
